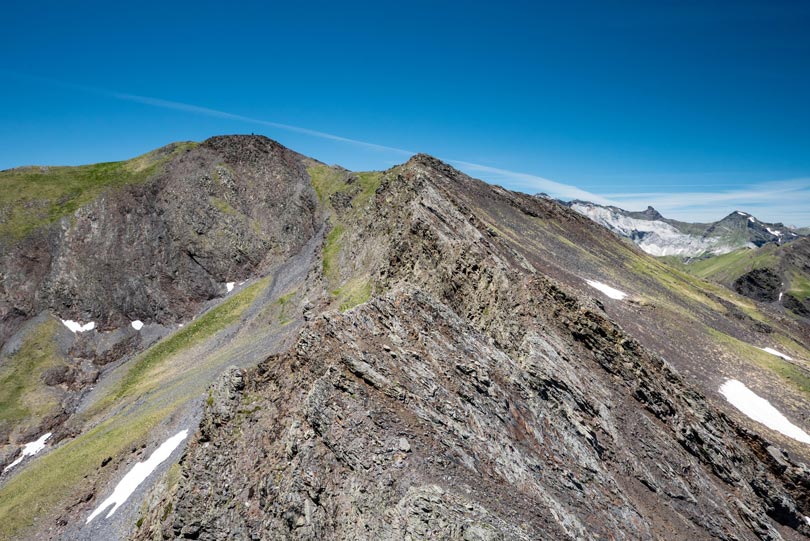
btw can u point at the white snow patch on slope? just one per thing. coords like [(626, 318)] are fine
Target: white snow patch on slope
[(229, 286), (777, 353), (774, 233), (752, 219), (137, 324), (611, 292), (75, 326), (741, 213), (780, 296), (30, 449), (760, 410), (137, 475)]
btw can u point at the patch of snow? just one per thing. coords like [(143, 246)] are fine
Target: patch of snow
[(137, 324), (611, 292), (741, 213), (30, 449), (780, 296), (807, 519), (752, 219), (760, 410), (774, 233), (778, 354), (179, 324), (229, 286), (137, 475), (75, 326)]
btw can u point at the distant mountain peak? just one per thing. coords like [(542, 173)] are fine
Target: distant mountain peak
[(652, 213), (660, 236)]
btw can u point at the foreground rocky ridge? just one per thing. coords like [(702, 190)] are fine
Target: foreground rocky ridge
[(471, 398)]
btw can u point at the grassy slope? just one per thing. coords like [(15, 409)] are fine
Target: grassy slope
[(328, 181), (728, 267), (66, 470), (31, 197), (790, 372), (799, 285), (23, 395)]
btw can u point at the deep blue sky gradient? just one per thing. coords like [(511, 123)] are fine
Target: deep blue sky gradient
[(693, 107)]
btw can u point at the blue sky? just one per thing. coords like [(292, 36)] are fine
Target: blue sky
[(697, 108)]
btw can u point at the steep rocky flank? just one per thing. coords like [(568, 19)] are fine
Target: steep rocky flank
[(473, 396), (759, 284), (153, 250)]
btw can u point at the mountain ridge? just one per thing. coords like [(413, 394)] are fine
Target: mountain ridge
[(661, 236), (409, 361)]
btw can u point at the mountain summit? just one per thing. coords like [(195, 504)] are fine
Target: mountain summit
[(400, 354)]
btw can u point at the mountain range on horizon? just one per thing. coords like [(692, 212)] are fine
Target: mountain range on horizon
[(660, 236), (231, 340)]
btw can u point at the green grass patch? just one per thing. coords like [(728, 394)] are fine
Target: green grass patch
[(799, 285), (728, 267), (355, 291), (326, 181), (195, 332), (23, 395), (331, 251), (283, 302), (369, 182), (678, 282), (31, 197), (223, 206), (786, 370)]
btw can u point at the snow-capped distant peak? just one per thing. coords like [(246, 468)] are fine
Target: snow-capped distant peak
[(658, 236)]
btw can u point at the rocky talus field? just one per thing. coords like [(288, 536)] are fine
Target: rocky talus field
[(283, 349)]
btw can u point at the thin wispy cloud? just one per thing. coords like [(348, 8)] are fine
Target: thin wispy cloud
[(205, 111), (529, 183), (785, 200)]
